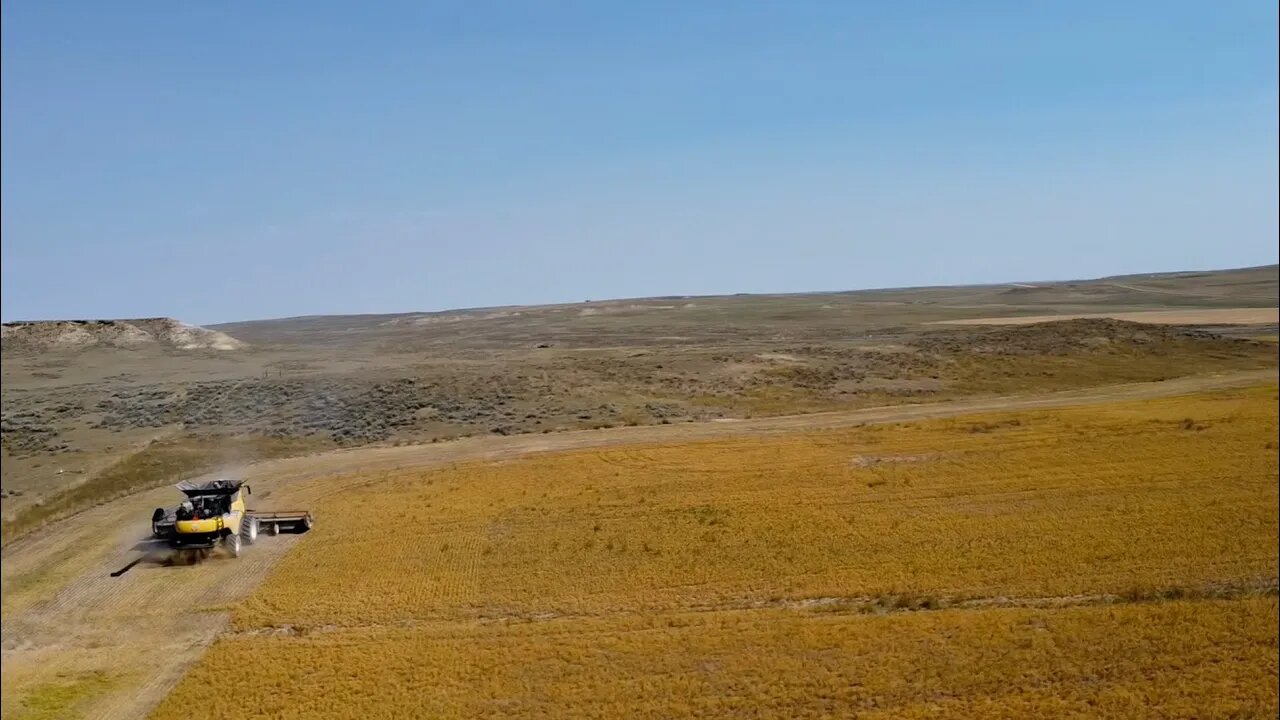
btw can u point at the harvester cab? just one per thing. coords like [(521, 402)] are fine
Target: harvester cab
[(215, 513)]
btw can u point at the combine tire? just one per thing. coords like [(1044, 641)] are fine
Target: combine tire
[(232, 543), (273, 529), (249, 530)]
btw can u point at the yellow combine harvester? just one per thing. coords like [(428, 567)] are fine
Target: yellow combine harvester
[(215, 512)]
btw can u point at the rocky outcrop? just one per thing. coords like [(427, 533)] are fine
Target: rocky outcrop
[(71, 335)]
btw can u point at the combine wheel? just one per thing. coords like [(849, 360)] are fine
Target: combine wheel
[(273, 529), (232, 543), (249, 529)]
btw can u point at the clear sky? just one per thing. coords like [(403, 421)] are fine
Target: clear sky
[(219, 161)]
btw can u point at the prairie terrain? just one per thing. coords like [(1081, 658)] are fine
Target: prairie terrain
[(1118, 559), (95, 410), (780, 505), (84, 642)]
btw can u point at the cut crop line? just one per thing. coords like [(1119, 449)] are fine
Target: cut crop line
[(829, 605)]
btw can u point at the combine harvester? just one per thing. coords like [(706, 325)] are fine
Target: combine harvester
[(215, 512)]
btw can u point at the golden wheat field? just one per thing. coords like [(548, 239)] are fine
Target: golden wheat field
[(1115, 560)]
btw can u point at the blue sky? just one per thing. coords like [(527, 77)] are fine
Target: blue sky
[(238, 160)]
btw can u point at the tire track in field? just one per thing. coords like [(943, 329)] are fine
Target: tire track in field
[(858, 604)]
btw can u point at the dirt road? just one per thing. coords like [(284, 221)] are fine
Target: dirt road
[(66, 618)]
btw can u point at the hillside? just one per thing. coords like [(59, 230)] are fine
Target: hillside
[(95, 408), (73, 335)]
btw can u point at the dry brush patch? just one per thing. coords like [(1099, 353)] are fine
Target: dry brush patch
[(778, 577)]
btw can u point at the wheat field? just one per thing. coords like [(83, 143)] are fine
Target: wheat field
[(1115, 560)]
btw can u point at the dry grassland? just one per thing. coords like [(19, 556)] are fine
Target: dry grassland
[(202, 424), (1115, 560), (1209, 316)]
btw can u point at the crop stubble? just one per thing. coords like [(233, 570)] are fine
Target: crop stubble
[(1115, 559)]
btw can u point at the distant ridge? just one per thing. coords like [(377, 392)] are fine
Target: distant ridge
[(1256, 282)]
